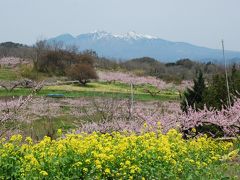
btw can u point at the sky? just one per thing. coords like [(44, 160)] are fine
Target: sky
[(199, 22)]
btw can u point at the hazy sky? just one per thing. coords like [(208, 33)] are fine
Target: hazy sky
[(200, 22)]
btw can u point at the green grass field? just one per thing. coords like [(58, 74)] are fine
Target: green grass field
[(8, 74), (93, 89), (98, 89)]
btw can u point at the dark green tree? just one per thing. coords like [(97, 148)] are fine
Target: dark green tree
[(235, 80), (216, 95), (194, 97)]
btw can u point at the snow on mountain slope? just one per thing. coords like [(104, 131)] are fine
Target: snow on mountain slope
[(134, 45)]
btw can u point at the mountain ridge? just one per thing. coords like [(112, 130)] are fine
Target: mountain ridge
[(133, 45)]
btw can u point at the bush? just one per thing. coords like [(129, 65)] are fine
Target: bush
[(82, 72), (52, 62), (57, 62), (28, 71)]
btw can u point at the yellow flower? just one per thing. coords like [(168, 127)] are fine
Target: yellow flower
[(31, 159), (145, 125), (204, 164), (107, 171), (104, 152), (29, 140), (85, 170), (44, 173), (173, 162), (8, 146), (4, 154), (59, 132), (88, 161), (132, 171), (179, 170), (128, 163), (99, 166), (194, 130), (16, 138), (3, 140), (77, 164), (97, 162), (233, 154)]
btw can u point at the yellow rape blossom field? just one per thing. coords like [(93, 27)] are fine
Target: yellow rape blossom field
[(117, 155)]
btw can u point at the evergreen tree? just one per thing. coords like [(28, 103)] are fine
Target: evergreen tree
[(235, 81), (193, 97), (216, 95)]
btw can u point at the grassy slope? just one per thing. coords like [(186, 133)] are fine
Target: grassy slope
[(98, 89), (94, 89), (8, 74)]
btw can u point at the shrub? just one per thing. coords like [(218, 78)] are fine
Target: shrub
[(28, 71), (58, 62), (52, 62), (82, 72)]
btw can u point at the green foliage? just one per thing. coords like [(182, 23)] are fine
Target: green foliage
[(215, 95), (194, 97), (235, 80)]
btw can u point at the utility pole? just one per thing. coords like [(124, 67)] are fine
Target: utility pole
[(131, 105), (226, 74)]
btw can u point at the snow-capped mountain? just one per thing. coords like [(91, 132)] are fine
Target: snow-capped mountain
[(96, 35), (134, 45)]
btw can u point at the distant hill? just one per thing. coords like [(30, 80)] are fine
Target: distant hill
[(11, 45), (133, 45), (12, 49)]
